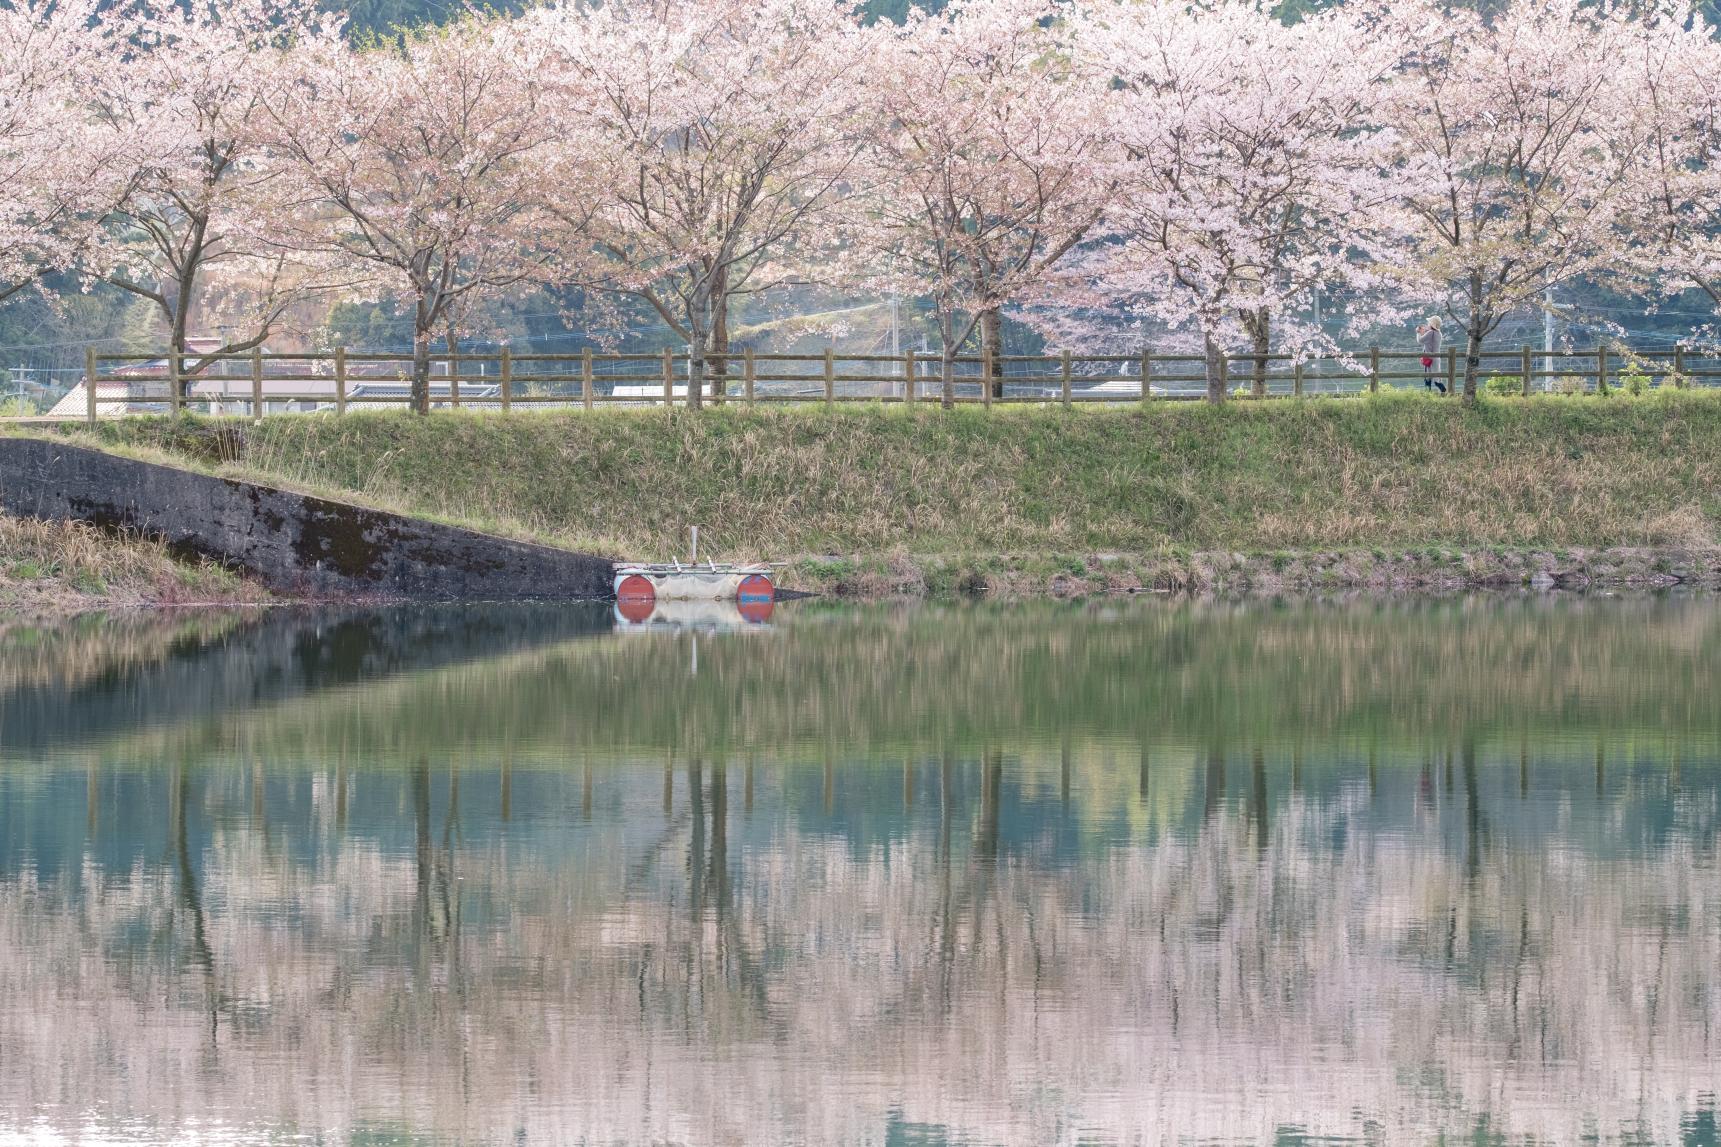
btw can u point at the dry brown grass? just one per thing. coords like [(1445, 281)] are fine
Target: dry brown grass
[(67, 566)]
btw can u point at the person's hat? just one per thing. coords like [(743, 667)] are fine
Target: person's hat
[(1434, 321)]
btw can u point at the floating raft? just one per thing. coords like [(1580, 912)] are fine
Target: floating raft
[(635, 616), (639, 587)]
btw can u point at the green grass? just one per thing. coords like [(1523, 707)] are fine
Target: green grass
[(1395, 472)]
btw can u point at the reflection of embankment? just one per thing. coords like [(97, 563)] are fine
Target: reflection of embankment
[(70, 653), (709, 977), (886, 681), (92, 680)]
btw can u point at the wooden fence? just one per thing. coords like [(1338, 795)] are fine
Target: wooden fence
[(256, 383)]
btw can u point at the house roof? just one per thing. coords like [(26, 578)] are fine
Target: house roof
[(117, 397), (319, 388), (113, 400)]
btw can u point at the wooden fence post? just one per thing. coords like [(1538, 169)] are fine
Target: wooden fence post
[(668, 379), (256, 382), (751, 377), (830, 376), (454, 379), (1225, 373), (1526, 367), (175, 379), (1297, 379), (1146, 376), (90, 385), (586, 377), (1064, 376), (986, 377), (1374, 370), (507, 372), (340, 380), (1679, 365), (908, 378), (1451, 371), (1601, 368)]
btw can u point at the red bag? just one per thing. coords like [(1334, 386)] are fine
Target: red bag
[(1427, 362)]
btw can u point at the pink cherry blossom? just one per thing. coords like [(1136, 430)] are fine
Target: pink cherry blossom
[(983, 166), (196, 229), (60, 171), (703, 137), (421, 166)]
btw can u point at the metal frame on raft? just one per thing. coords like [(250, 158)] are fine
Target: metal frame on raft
[(639, 586)]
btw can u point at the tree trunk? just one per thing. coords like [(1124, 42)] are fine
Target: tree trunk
[(696, 368), (720, 334), (1472, 362), (992, 339), (184, 291), (451, 342), (1258, 321), (421, 337), (1215, 370), (698, 342), (947, 357), (1474, 332), (176, 341)]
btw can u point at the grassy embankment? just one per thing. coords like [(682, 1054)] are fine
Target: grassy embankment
[(1395, 490), (57, 567)]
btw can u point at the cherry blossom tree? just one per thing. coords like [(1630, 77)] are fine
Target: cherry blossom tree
[(1245, 162), (1515, 138), (425, 166), (60, 172), (187, 88), (713, 135), (981, 167), (1198, 167), (1674, 226)]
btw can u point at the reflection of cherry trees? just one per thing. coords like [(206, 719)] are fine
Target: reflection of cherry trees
[(727, 969)]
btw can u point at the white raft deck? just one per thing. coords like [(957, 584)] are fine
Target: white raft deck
[(709, 581)]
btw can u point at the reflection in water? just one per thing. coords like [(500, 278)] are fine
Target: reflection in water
[(1028, 875)]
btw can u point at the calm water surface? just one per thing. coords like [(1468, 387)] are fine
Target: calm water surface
[(1127, 872)]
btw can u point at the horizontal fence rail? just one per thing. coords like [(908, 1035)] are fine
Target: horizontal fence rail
[(257, 383)]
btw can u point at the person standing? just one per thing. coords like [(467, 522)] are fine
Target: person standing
[(1428, 337)]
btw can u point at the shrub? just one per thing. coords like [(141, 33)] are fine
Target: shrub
[(1503, 384), (1632, 380)]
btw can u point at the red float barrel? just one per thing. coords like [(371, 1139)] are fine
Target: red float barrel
[(635, 598), (756, 598)]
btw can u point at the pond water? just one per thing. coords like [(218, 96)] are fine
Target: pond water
[(1118, 872)]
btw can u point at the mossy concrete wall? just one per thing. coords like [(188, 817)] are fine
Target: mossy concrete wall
[(291, 542)]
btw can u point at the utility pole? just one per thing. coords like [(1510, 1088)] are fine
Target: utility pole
[(1548, 337), (20, 381), (895, 337)]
